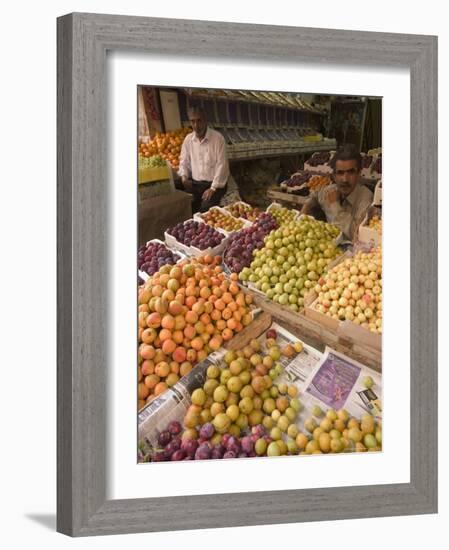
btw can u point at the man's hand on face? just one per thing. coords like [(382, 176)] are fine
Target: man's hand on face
[(207, 195), (332, 195), (187, 183)]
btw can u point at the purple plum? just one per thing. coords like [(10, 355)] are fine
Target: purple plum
[(203, 452), (175, 428), (164, 438), (247, 444), (207, 430), (178, 455), (189, 446)]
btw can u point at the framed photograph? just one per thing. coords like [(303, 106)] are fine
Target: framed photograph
[(244, 357)]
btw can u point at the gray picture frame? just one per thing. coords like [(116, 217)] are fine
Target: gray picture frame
[(83, 41)]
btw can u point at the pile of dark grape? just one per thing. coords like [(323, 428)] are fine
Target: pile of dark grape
[(319, 158)]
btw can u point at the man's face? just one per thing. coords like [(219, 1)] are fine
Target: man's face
[(347, 176), (199, 124)]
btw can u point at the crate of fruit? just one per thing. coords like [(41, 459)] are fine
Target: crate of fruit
[(154, 254), (241, 245), (311, 299), (370, 230), (281, 213), (320, 162), (153, 168), (243, 210), (297, 183), (338, 237), (377, 200), (196, 238), (367, 162), (318, 181), (219, 218), (352, 311), (376, 169)]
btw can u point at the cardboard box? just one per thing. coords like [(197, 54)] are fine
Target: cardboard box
[(343, 329)]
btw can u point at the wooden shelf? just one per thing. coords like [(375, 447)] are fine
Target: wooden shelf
[(290, 198)]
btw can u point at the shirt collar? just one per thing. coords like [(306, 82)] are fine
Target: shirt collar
[(352, 197), (206, 136)]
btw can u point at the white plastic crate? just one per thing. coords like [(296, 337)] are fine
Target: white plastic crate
[(239, 218), (377, 201), (175, 245), (199, 218), (368, 235), (142, 274)]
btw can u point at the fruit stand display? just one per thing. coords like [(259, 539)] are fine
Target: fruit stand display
[(185, 312), (165, 145), (260, 399), (293, 258), (228, 349)]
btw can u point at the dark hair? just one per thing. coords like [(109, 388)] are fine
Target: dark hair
[(195, 108), (347, 152)]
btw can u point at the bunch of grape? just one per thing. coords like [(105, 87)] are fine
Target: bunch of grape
[(319, 158), (297, 179), (155, 161)]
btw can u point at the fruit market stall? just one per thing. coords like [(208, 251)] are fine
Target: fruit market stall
[(237, 343), (268, 395), (259, 330)]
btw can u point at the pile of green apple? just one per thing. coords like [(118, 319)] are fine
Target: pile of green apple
[(292, 260), (282, 214), (352, 291)]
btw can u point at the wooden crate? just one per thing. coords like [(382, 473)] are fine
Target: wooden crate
[(318, 335), (289, 198)]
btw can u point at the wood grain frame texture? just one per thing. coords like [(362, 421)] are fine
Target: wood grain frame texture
[(83, 40)]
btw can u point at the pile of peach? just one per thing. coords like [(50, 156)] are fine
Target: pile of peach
[(317, 182), (186, 312)]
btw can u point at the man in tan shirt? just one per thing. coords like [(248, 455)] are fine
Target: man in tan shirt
[(346, 201)]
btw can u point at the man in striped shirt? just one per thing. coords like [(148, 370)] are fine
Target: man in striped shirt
[(203, 165)]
